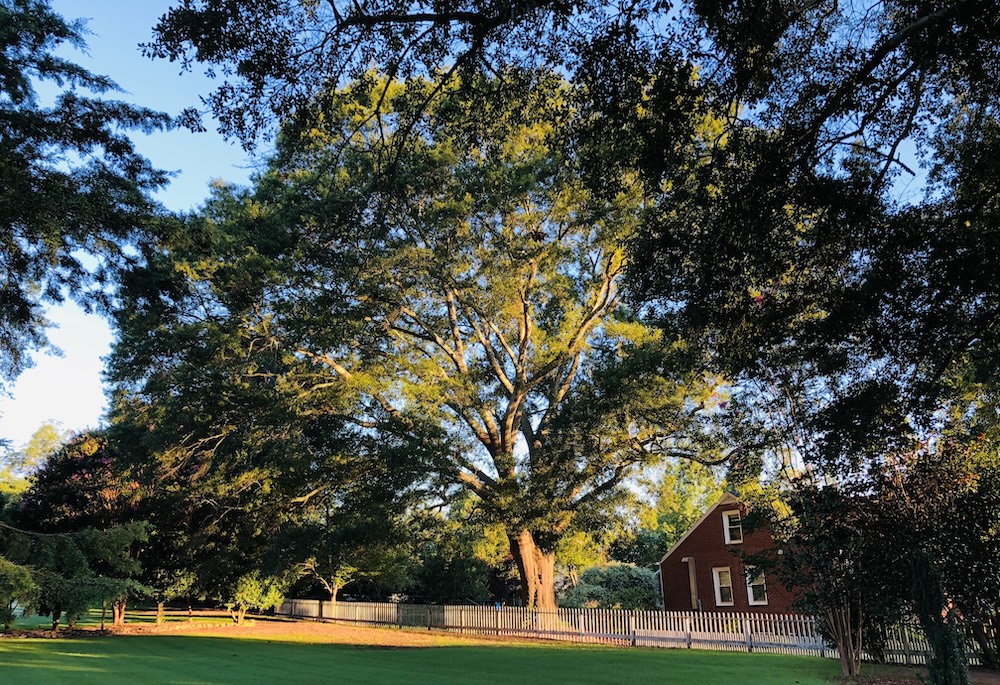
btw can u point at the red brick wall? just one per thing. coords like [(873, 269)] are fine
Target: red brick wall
[(706, 544)]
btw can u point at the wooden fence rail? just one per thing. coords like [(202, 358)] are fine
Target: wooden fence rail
[(738, 632)]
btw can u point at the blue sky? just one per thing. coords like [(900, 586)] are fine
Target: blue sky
[(68, 389)]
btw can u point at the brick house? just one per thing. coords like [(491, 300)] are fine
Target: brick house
[(703, 571)]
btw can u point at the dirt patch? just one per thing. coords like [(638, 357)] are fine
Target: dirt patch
[(902, 675)]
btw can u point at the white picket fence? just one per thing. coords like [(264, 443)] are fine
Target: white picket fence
[(742, 632), (737, 632)]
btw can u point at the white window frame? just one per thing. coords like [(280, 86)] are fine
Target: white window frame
[(750, 583), (725, 526), (717, 582)]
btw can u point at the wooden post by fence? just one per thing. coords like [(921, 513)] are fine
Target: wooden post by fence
[(746, 633), (631, 627), (687, 630), (907, 649)]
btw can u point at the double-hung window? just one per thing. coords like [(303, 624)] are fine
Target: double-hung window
[(723, 579), (757, 591), (732, 527)]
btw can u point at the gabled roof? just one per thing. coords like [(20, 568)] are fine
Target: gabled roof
[(727, 498)]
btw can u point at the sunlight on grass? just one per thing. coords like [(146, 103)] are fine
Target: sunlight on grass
[(141, 616), (230, 657)]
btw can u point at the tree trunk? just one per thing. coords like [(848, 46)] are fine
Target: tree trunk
[(159, 613), (104, 612), (947, 664), (56, 614), (846, 632), (986, 650), (537, 570), (118, 612)]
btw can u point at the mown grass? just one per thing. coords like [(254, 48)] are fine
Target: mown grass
[(93, 618), (228, 658)]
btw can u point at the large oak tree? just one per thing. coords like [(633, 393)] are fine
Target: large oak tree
[(462, 291)]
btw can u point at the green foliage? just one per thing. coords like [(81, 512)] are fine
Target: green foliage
[(615, 586), (681, 491), (945, 499), (254, 592), (853, 314), (947, 664), (860, 548), (337, 551), (17, 591), (76, 530), (834, 553), (76, 571), (16, 465), (461, 559), (78, 486), (440, 315), (73, 182), (578, 551), (447, 575)]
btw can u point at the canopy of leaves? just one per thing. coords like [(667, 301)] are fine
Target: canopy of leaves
[(615, 586), (76, 529), (17, 592), (913, 519), (680, 493), (79, 486), (16, 465), (460, 560), (73, 184), (468, 300), (821, 98), (252, 591)]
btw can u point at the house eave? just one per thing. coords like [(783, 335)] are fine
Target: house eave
[(726, 499)]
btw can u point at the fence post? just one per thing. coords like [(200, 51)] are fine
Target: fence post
[(631, 627), (428, 617), (687, 630), (904, 628), (746, 634), (461, 620)]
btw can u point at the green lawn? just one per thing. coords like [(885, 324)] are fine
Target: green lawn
[(93, 619), (150, 659)]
